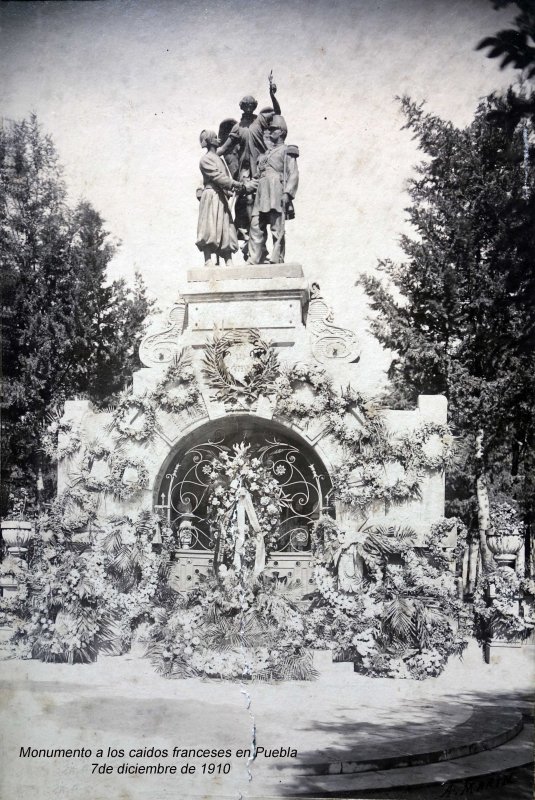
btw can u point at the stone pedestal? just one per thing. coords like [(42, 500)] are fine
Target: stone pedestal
[(273, 298), (498, 650)]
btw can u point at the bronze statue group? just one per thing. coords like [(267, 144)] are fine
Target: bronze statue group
[(250, 178)]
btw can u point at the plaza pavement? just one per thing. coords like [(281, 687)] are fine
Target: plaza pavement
[(343, 722)]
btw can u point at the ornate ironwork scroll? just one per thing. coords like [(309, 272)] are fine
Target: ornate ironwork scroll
[(186, 489)]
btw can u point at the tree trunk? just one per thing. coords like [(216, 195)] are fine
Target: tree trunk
[(483, 508)]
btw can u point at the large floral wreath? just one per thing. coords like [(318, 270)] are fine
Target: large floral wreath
[(231, 473)]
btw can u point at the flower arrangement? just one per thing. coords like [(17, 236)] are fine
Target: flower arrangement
[(498, 606), (400, 623), (73, 605), (21, 504), (505, 518), (12, 605), (66, 623), (235, 628)]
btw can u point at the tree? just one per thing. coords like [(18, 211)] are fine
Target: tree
[(459, 312), (516, 47), (65, 331)]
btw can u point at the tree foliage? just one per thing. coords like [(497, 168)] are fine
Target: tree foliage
[(66, 331), (459, 311), (515, 47)]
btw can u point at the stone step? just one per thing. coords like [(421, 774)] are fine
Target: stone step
[(512, 755), (485, 729), (323, 662)]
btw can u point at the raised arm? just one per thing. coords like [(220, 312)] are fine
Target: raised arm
[(272, 93), (230, 143)]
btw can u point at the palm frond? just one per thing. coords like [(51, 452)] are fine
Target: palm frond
[(112, 542), (299, 667), (398, 619)]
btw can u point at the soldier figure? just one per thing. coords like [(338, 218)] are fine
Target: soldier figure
[(278, 178)]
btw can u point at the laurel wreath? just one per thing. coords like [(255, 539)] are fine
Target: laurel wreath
[(259, 380), (180, 372), (124, 426)]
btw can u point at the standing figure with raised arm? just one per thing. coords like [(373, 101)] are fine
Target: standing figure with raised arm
[(216, 234), (278, 178), (243, 146)]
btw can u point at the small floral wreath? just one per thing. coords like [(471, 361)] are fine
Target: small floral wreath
[(124, 426), (78, 508), (372, 486), (442, 528), (503, 610), (50, 440), (117, 486), (94, 452), (288, 404), (409, 449), (260, 378), (179, 372)]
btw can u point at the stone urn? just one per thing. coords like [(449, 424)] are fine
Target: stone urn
[(17, 534), (504, 547)]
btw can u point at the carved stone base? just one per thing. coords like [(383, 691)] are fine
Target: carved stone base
[(270, 298), (294, 570)]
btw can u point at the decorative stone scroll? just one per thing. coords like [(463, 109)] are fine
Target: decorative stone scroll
[(159, 348), (329, 343)]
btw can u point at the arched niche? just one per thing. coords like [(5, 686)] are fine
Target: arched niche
[(181, 486)]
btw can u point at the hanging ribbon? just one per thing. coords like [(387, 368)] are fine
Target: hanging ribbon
[(245, 510)]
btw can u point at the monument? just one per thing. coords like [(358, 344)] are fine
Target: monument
[(249, 359)]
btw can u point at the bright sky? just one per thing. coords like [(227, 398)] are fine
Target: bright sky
[(125, 88)]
